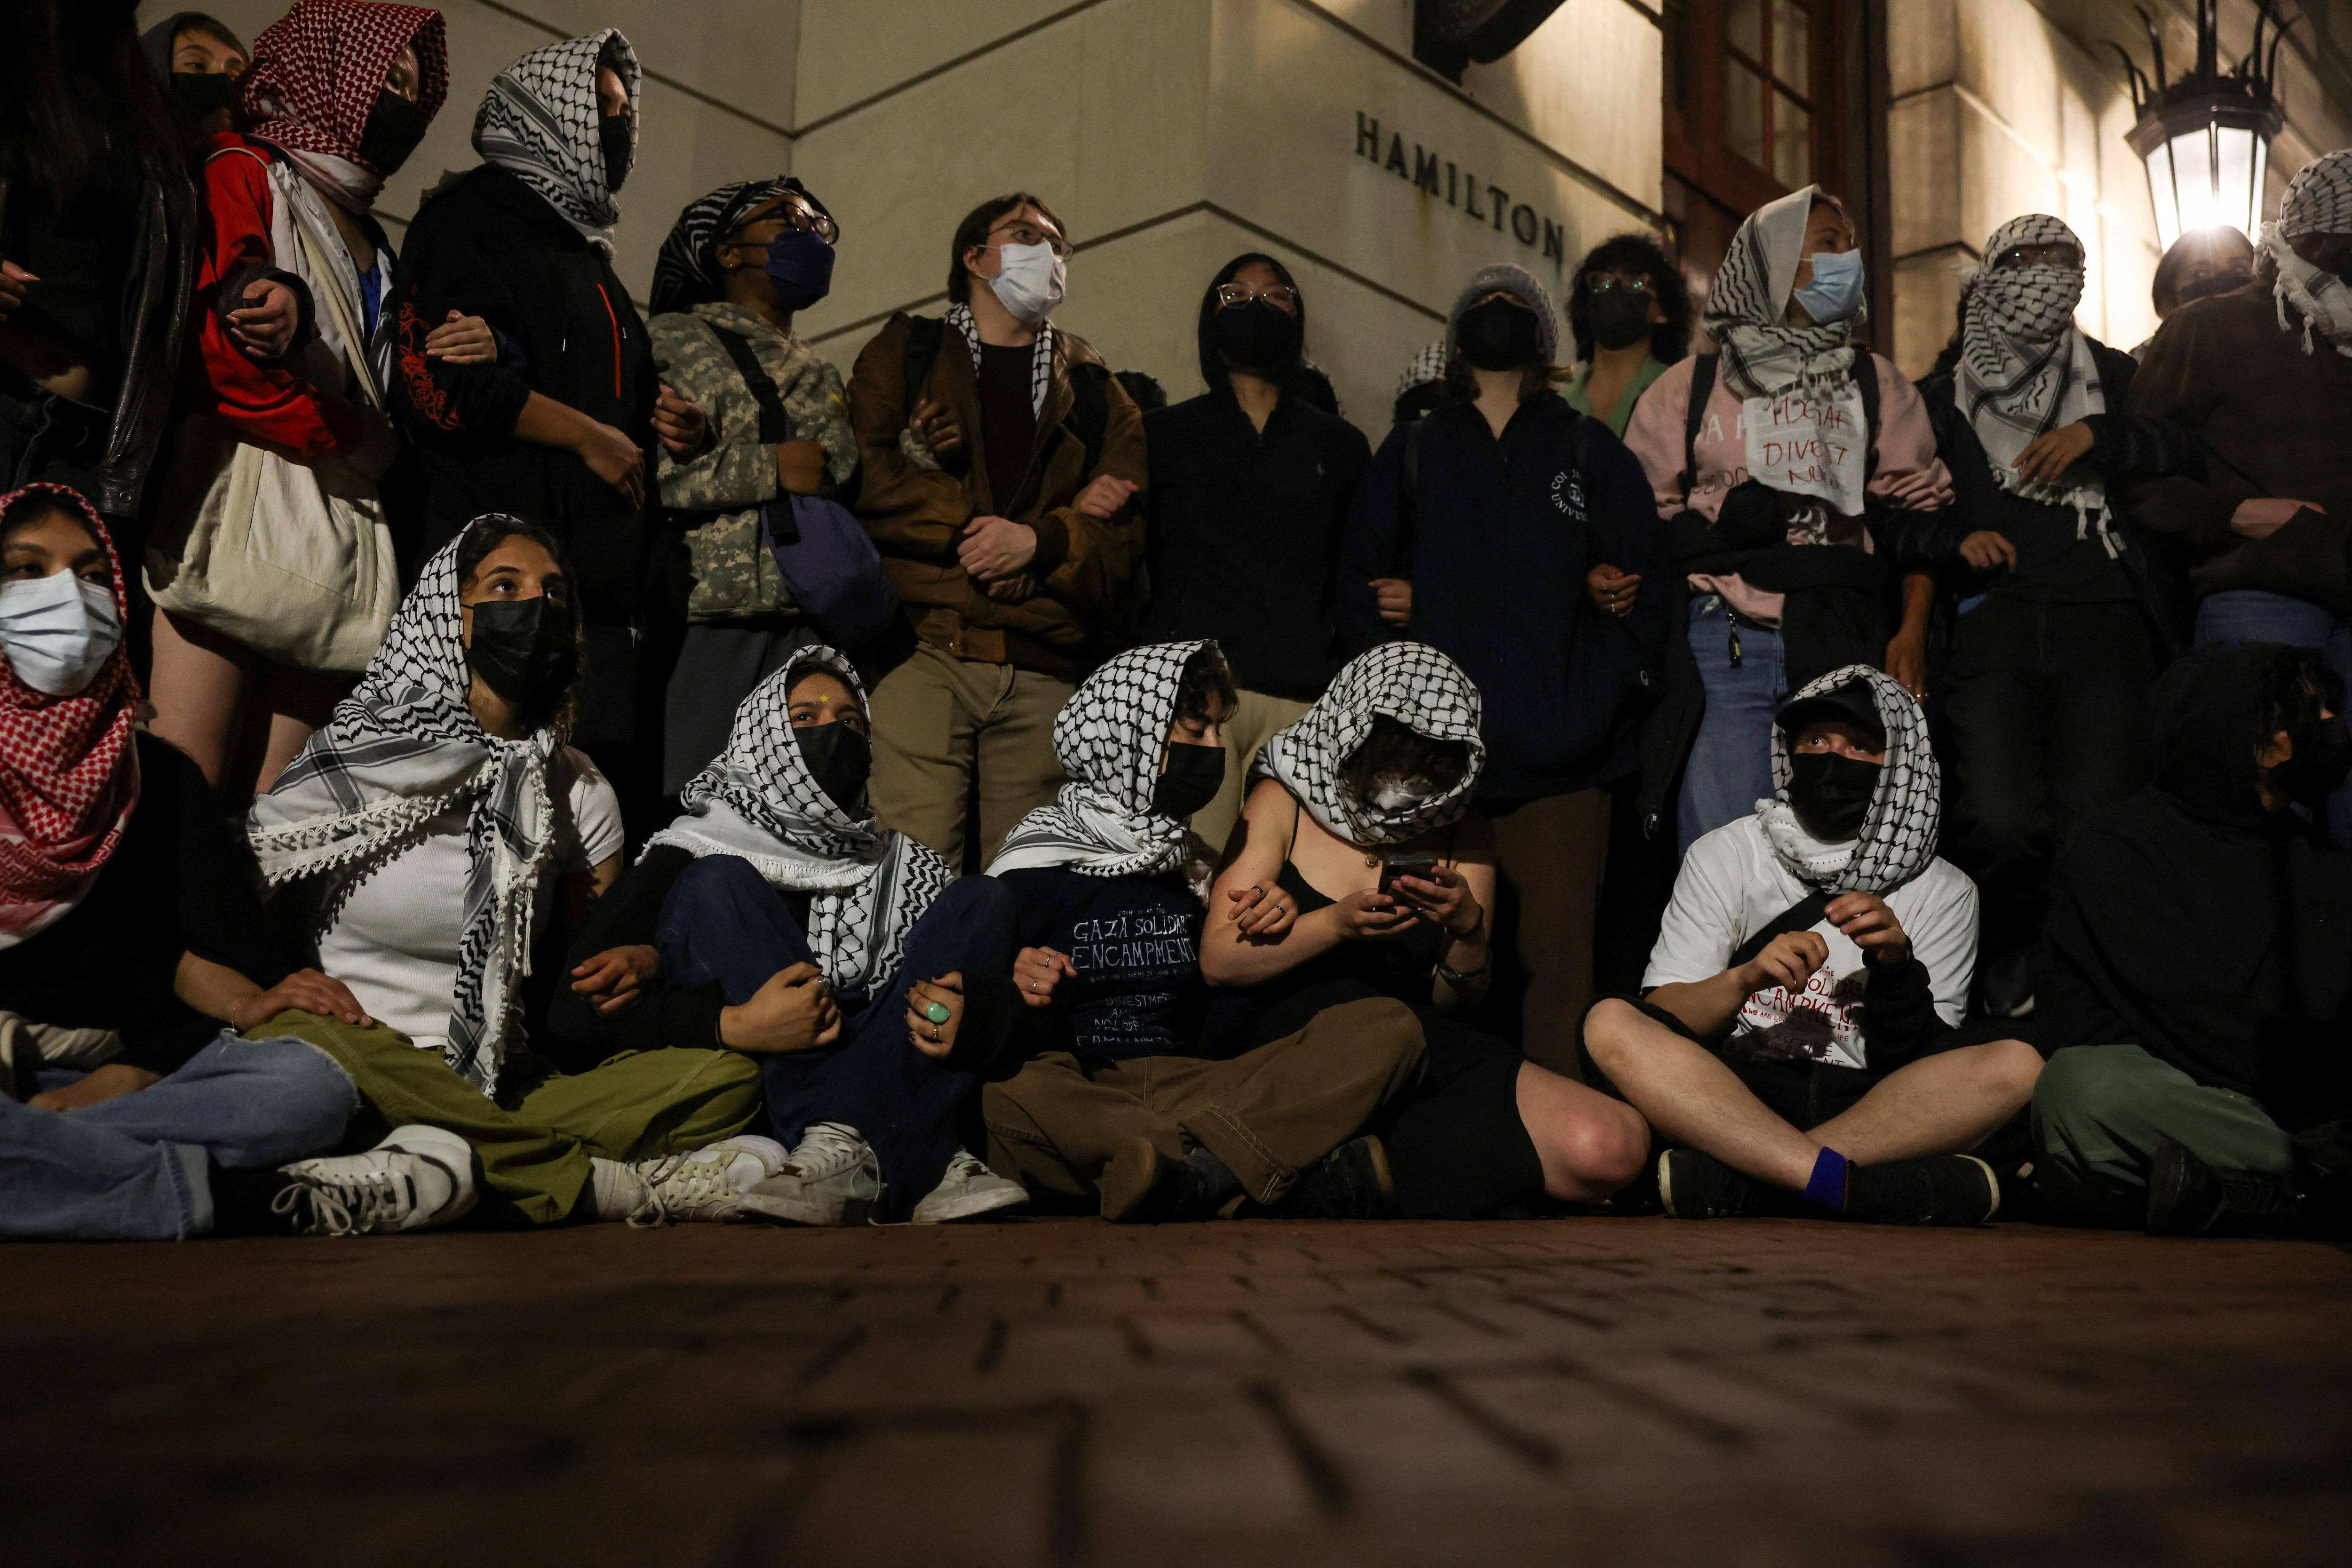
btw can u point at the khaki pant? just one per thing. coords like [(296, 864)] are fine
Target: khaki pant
[(1251, 725), (1551, 852), (938, 722), (534, 1142), (1053, 1125)]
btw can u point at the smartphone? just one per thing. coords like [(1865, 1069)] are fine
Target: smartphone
[(1397, 866)]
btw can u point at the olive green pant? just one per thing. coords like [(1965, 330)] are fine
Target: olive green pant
[(1055, 1124), (1251, 724), (535, 1141), (2099, 1114)]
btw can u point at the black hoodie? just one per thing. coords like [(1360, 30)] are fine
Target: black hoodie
[(2191, 922)]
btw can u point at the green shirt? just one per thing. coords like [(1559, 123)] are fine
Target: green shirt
[(1652, 368)]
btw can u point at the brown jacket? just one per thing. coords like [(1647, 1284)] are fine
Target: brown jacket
[(2274, 420), (917, 512)]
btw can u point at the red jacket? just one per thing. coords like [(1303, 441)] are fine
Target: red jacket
[(259, 402)]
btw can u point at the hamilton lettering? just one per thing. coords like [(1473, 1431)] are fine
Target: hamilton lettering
[(1480, 201)]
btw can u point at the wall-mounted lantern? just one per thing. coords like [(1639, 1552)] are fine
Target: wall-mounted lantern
[(2205, 136)]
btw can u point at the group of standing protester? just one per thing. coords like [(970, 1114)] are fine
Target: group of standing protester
[(566, 735)]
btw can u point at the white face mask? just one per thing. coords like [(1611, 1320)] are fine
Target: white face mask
[(1029, 281), (57, 630)]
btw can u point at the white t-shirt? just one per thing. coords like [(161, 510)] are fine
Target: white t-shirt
[(1731, 884), (395, 939)]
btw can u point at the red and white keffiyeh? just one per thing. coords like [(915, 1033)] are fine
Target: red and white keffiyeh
[(69, 777), (315, 76)]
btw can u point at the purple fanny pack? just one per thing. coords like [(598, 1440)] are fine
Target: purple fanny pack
[(829, 563)]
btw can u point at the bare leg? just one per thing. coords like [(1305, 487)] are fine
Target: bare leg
[(198, 688), (1942, 1104), (299, 702), (1694, 1101), (1590, 1144)]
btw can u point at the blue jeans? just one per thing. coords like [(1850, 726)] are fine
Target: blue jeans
[(722, 925), (1730, 765), (2251, 614), (138, 1168)]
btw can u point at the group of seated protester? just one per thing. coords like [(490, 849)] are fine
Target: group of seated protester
[(787, 1011)]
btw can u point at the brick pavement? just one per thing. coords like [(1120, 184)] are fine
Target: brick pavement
[(1621, 1392)]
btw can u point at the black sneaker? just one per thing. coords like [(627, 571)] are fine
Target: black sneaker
[(2188, 1197), (1940, 1189), (1141, 1185), (1693, 1185), (1353, 1181)]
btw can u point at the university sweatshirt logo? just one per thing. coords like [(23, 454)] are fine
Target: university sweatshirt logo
[(1567, 493)]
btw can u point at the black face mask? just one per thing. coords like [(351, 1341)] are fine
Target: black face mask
[(1255, 335), (2323, 757), (523, 649), (1618, 319), (840, 760), (1832, 794), (394, 127), (195, 94), (2214, 283), (1192, 778), (612, 131), (1501, 334)]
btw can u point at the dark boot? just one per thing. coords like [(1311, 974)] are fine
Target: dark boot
[(1353, 1181), (2188, 1197)]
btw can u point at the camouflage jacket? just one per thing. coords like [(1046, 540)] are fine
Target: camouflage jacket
[(719, 490)]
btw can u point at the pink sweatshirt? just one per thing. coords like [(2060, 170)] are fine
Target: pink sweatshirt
[(1909, 472)]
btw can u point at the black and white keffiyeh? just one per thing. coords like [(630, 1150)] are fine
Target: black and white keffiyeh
[(539, 122), (1899, 835), (1409, 682), (2025, 370), (1109, 737), (686, 271), (1041, 357), (757, 800), (1424, 367), (401, 749), (2318, 200), (1747, 310)]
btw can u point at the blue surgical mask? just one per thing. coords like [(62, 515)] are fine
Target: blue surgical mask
[(1835, 291), (800, 264)]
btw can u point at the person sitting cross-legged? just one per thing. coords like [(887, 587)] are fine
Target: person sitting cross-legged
[(2199, 952), (1797, 1035), (1130, 1095), (777, 919)]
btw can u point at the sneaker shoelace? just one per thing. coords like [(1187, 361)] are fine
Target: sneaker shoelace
[(826, 1150), (963, 1166), (353, 1205), (676, 1185)]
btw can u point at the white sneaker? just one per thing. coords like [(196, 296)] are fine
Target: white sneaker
[(968, 1190), (704, 1186), (833, 1178), (418, 1178)]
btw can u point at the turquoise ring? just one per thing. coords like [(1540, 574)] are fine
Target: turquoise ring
[(937, 1012)]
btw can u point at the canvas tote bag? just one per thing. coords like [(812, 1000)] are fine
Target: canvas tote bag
[(288, 556)]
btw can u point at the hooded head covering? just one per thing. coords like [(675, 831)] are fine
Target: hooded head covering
[(1748, 310), (2193, 923), (1522, 286), (686, 273), (1108, 738), (1409, 682), (2318, 201), (540, 123), (2024, 369), (758, 800), (159, 42), (316, 74), (1899, 835), (403, 747), (69, 777)]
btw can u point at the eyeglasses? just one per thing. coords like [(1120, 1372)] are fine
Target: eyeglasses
[(2040, 255), (798, 213), (1030, 233), (1609, 283), (1232, 294)]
